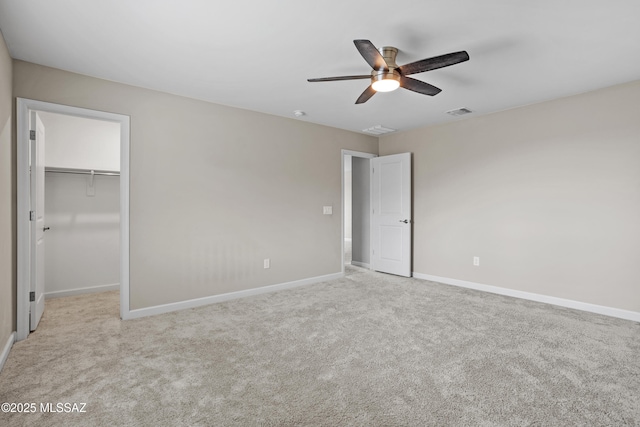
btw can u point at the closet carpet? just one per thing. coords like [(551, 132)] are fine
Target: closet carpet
[(366, 350)]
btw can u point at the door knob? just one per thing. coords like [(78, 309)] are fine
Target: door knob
[(406, 221), (46, 228)]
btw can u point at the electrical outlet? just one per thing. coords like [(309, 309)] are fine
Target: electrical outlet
[(267, 263), (476, 261), (327, 210)]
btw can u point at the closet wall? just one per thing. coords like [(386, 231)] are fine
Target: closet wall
[(347, 197), (361, 225), (82, 247)]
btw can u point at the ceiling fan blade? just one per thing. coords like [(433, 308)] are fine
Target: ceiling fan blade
[(368, 93), (371, 54), (434, 63), (418, 86), (333, 79)]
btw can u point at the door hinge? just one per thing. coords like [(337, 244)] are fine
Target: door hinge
[(32, 135), (32, 216), (32, 296)]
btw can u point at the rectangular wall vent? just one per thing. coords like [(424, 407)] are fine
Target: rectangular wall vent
[(459, 111), (378, 130)]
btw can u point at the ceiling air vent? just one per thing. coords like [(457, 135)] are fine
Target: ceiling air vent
[(378, 130), (459, 111)]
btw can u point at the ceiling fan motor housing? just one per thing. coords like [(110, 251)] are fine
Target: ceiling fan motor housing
[(390, 74)]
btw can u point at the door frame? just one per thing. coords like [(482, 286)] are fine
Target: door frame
[(23, 106), (342, 157)]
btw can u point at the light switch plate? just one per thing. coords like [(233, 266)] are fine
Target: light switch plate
[(327, 210)]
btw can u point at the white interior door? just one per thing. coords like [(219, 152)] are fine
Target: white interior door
[(391, 214), (36, 297)]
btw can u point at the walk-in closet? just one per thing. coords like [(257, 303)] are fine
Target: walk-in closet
[(82, 205)]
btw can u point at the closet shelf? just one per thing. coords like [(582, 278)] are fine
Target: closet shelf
[(82, 171)]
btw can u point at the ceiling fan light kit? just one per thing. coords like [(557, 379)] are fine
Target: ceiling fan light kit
[(388, 76), (385, 81)]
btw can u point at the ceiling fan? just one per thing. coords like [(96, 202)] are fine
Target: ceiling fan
[(387, 75)]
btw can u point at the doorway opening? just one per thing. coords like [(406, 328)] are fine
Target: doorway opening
[(356, 197), (84, 172), (82, 205)]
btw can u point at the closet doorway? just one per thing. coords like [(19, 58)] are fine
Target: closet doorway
[(81, 204), (83, 171), (356, 196)]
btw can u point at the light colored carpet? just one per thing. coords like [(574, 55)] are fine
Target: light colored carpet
[(366, 350)]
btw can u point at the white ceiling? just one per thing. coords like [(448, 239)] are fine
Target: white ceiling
[(257, 54)]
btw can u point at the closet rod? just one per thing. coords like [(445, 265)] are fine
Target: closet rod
[(83, 171)]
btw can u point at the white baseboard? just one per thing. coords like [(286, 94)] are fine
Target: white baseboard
[(578, 305), (198, 302), (6, 349), (361, 264), (90, 290)]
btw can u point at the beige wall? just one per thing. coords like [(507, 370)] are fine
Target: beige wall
[(547, 195), (214, 189), (7, 205)]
